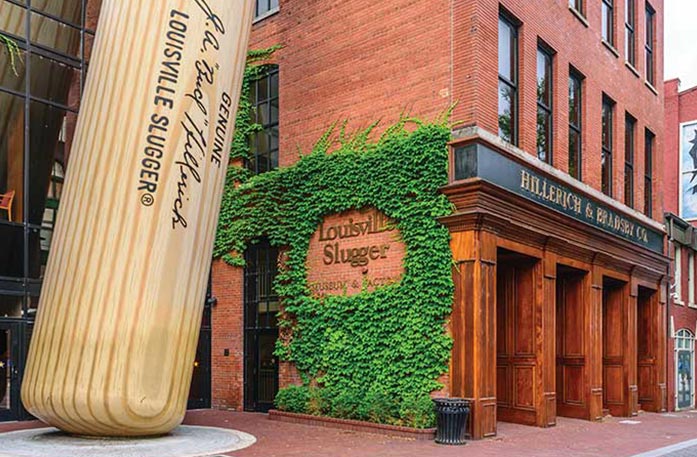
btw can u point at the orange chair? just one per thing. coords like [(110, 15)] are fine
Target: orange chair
[(6, 203)]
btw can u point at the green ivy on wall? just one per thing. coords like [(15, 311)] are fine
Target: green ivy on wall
[(375, 355)]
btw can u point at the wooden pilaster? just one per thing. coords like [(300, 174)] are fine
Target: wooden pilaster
[(546, 341), (473, 373), (630, 354), (594, 343)]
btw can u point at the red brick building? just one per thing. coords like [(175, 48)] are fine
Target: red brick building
[(558, 225), (681, 138)]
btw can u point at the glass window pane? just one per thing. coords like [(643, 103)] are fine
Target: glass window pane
[(607, 126), (13, 19), (574, 153), (12, 70), (607, 23), (55, 35), (263, 114), (67, 10), (48, 135), (11, 158), (506, 51), (506, 120), (574, 101), (11, 250), (274, 4), (262, 89), (55, 81), (39, 244), (262, 7), (544, 80), (543, 134), (10, 306), (606, 167)]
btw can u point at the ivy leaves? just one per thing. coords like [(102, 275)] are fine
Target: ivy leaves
[(392, 340)]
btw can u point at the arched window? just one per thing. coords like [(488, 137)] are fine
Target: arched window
[(684, 339)]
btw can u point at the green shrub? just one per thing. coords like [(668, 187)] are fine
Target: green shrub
[(418, 411), (344, 405), (318, 401), (380, 407), (293, 399)]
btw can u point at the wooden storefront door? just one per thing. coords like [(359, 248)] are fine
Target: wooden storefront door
[(516, 359), (619, 356), (571, 344)]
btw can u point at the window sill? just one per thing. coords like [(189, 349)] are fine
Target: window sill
[(632, 69), (579, 16), (652, 89), (266, 15), (692, 305), (611, 48), (679, 302)]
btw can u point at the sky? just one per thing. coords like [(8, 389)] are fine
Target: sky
[(681, 41)]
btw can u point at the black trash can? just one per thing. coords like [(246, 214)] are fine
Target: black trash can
[(451, 419)]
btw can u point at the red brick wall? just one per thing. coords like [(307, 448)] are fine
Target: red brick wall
[(362, 61), (680, 107), (227, 334), (580, 46), (357, 60)]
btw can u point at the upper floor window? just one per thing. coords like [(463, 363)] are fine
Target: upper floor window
[(648, 173), (577, 5), (608, 25), (265, 7), (508, 80), (575, 120), (629, 128), (629, 24), (607, 138), (544, 104), (650, 37), (264, 143)]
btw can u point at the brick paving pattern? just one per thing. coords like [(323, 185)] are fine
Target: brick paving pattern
[(569, 438)]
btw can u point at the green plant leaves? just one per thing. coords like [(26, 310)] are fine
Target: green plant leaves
[(383, 347)]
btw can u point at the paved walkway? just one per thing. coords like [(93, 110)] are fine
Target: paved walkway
[(569, 438)]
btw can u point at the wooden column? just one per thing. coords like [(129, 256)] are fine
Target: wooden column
[(630, 355), (473, 370), (546, 364), (594, 343)]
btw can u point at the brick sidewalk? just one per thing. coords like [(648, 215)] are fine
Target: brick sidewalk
[(569, 438)]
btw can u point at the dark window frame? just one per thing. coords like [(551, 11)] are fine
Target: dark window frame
[(630, 32), (512, 85), (607, 140), (576, 129), (610, 6), (269, 7), (578, 6), (268, 126), (629, 153), (546, 110), (649, 139), (649, 44)]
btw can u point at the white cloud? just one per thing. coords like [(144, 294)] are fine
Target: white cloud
[(681, 41)]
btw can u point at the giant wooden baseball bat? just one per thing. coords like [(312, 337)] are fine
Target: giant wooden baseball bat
[(115, 339)]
